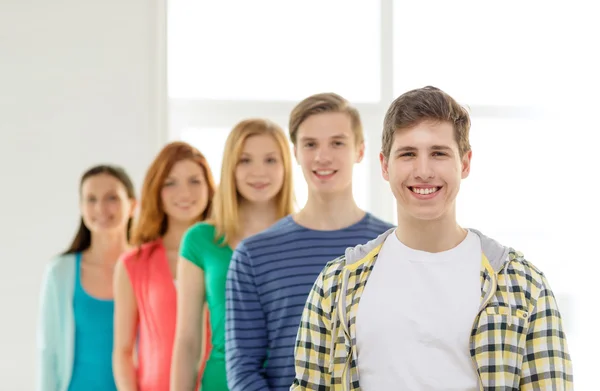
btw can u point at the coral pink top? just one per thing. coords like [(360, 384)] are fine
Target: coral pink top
[(154, 288)]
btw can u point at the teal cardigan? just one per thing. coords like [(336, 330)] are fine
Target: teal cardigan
[(56, 325)]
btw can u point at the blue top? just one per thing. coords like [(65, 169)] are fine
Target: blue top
[(269, 279), (92, 363)]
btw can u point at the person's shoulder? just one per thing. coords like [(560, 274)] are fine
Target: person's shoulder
[(330, 279), (62, 261), (526, 277), (61, 265), (201, 230), (525, 269), (130, 254), (141, 253), (279, 229), (200, 234), (334, 267), (376, 223)]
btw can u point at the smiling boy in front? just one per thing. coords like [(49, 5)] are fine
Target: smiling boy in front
[(445, 308)]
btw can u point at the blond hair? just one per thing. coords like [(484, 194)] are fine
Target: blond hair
[(225, 213), (327, 102)]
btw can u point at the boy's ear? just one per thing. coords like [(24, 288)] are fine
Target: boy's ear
[(361, 152), (384, 166), (466, 164)]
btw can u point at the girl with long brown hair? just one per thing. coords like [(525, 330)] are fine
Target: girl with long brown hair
[(254, 192), (75, 332), (177, 192)]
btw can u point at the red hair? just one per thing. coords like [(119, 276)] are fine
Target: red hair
[(152, 222)]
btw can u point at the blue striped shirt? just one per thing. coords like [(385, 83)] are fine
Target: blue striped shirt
[(269, 279)]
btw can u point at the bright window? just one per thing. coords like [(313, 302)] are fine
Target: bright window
[(507, 193), (209, 141), (274, 50), (482, 54)]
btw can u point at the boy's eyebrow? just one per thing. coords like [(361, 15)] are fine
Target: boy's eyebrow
[(441, 148), (340, 135), (405, 149), (433, 147)]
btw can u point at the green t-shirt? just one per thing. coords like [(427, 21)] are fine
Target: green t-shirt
[(199, 247)]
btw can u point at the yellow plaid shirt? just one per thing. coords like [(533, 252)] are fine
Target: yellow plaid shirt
[(517, 340)]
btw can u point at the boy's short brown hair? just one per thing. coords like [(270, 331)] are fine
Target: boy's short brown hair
[(425, 104), (327, 102)]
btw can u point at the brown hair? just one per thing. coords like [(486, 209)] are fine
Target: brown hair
[(328, 102), (225, 215), (425, 104), (83, 237), (152, 222)]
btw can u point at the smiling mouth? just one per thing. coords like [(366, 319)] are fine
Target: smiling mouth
[(186, 205), (259, 186), (425, 190), (324, 173)]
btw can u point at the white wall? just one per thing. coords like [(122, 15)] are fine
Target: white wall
[(81, 83)]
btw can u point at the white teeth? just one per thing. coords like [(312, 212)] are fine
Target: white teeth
[(325, 172), (424, 191)]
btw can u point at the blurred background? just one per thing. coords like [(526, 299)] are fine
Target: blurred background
[(88, 82)]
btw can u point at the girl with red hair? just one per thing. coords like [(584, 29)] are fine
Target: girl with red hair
[(177, 192)]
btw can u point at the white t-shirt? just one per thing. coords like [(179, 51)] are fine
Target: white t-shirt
[(415, 317)]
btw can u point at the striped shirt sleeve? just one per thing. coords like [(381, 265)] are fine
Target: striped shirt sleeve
[(245, 335), (313, 343), (546, 362)]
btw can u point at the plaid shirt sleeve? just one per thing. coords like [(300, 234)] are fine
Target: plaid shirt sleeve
[(313, 342), (546, 363)]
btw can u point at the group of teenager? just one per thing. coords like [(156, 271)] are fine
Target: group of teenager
[(228, 288)]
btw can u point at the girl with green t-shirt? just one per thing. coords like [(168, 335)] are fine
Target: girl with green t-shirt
[(255, 191)]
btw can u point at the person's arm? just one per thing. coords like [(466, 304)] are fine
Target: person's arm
[(47, 377), (546, 361), (313, 343), (206, 340), (188, 334), (125, 330), (246, 329)]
